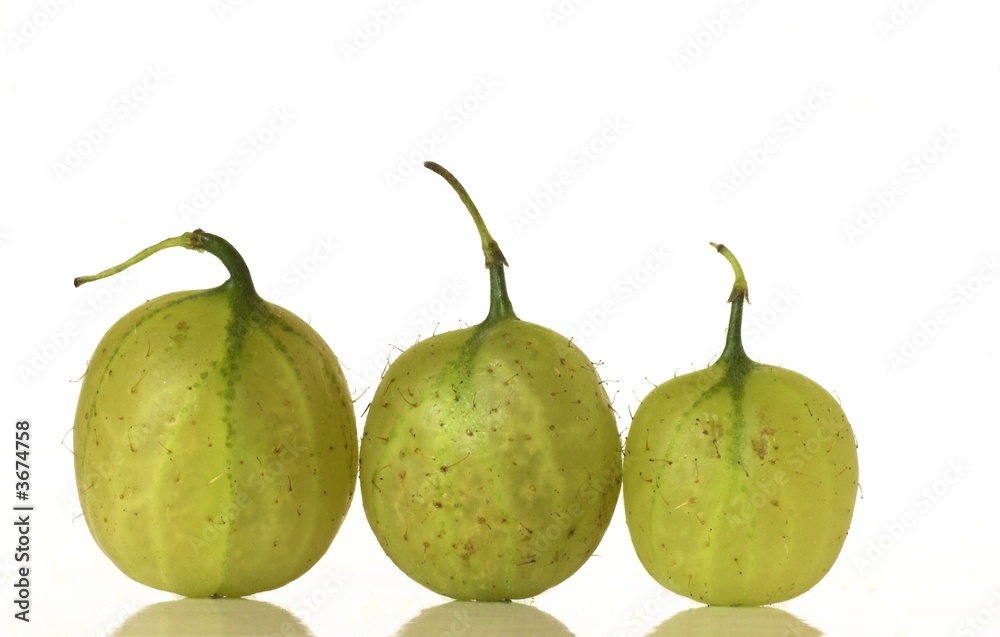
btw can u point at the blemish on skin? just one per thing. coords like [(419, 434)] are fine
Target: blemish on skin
[(761, 444), (444, 468), (760, 448), (133, 389), (422, 454), (686, 503), (181, 336), (470, 548), (405, 399)]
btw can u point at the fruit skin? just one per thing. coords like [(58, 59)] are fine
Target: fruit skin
[(739, 482), (491, 460), (739, 509), (215, 444), (490, 470)]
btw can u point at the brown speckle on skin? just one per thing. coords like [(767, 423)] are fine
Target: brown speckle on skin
[(761, 444), (470, 548)]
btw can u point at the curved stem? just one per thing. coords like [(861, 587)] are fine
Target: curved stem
[(500, 305), (734, 335), (239, 273)]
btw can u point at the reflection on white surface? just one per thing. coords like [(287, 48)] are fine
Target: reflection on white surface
[(483, 619), (734, 622), (212, 618)]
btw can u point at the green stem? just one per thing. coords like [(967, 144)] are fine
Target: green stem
[(239, 273), (500, 305), (734, 352)]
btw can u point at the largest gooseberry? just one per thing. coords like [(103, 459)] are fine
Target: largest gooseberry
[(215, 438)]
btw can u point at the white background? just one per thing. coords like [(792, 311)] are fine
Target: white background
[(665, 121)]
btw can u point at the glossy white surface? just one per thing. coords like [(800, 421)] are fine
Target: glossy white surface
[(595, 153)]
